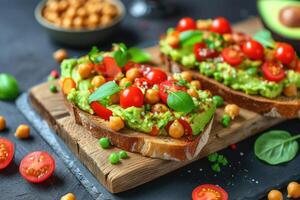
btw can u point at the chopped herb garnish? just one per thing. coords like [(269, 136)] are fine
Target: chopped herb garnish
[(218, 161), (94, 55), (216, 167)]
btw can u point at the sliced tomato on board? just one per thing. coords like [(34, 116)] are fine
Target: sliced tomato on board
[(7, 151), (168, 86), (232, 57), (273, 71), (108, 67), (101, 110), (202, 53), (209, 192), (156, 76), (37, 166)]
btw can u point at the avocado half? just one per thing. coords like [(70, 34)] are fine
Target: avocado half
[(282, 19)]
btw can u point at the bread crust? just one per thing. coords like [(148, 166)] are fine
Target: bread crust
[(285, 107)]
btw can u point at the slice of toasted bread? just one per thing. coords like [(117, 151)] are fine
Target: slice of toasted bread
[(286, 107), (165, 148)]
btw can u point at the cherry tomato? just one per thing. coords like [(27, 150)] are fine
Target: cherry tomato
[(101, 110), (166, 86), (154, 131), (130, 65), (185, 24), (285, 53), (7, 150), (209, 192), (108, 67), (201, 51), (131, 96), (156, 76), (253, 49), (273, 71), (232, 57), (142, 83), (37, 166), (220, 25)]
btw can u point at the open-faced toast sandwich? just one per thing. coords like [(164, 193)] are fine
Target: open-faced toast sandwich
[(257, 73), (139, 108)]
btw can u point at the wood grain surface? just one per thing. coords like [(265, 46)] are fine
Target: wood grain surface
[(137, 169)]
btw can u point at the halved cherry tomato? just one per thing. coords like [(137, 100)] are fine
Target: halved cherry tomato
[(273, 71), (37, 166), (166, 86), (131, 96), (142, 83), (284, 53), (130, 65), (156, 76), (7, 151), (294, 64), (201, 51), (67, 85), (220, 25), (253, 49), (187, 127), (232, 57), (108, 67), (209, 192), (154, 131), (101, 110), (185, 24)]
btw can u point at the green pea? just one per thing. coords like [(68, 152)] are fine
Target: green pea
[(104, 142), (9, 87), (53, 88), (123, 154), (225, 120), (218, 100), (114, 158)]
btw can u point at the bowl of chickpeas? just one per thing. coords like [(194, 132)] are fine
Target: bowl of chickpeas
[(80, 23)]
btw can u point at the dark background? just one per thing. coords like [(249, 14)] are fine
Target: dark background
[(26, 53)]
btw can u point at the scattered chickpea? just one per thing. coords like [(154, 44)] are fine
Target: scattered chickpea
[(176, 130), (192, 92), (133, 73), (85, 70), (97, 81), (2, 123), (159, 108), (196, 84), (22, 132), (152, 96), (116, 123), (115, 98), (173, 40), (60, 55), (124, 81), (187, 76), (293, 190), (290, 90), (69, 196), (204, 24), (232, 110), (269, 55), (275, 195)]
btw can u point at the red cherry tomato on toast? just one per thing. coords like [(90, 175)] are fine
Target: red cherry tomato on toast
[(273, 71), (201, 51), (284, 53), (232, 57), (166, 86), (156, 76), (253, 50), (220, 25), (108, 67), (185, 24), (101, 110), (7, 151), (209, 192), (131, 96)]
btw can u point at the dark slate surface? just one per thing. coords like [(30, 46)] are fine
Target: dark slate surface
[(26, 52)]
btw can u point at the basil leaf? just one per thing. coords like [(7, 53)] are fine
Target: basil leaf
[(120, 57), (277, 146), (94, 55), (106, 90), (138, 55), (189, 38), (265, 38), (180, 101)]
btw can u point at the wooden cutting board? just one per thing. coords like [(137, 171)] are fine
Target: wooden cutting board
[(137, 169)]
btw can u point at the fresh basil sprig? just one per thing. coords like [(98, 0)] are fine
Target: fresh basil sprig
[(105, 90), (189, 38), (276, 146), (180, 101), (138, 55), (94, 55), (265, 38), (121, 55)]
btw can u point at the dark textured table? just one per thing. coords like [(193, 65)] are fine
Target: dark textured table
[(26, 52)]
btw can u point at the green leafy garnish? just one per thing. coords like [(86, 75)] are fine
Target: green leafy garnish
[(94, 55), (138, 55), (121, 55), (106, 90), (181, 82), (218, 161), (265, 38), (214, 41), (189, 38), (216, 167), (212, 157), (277, 146), (180, 101)]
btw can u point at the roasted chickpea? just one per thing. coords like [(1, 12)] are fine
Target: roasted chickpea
[(105, 20), (176, 130), (93, 19), (192, 92), (232, 110), (62, 5), (204, 24), (109, 9), (60, 55), (69, 196), (228, 37), (159, 108), (187, 76), (196, 84), (293, 190), (275, 195), (116, 123), (2, 123), (66, 22), (97, 81), (115, 98), (124, 81), (85, 70), (70, 13), (290, 90), (152, 96), (133, 73), (81, 12), (51, 16), (22, 132), (53, 6), (269, 55), (173, 40), (78, 22)]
